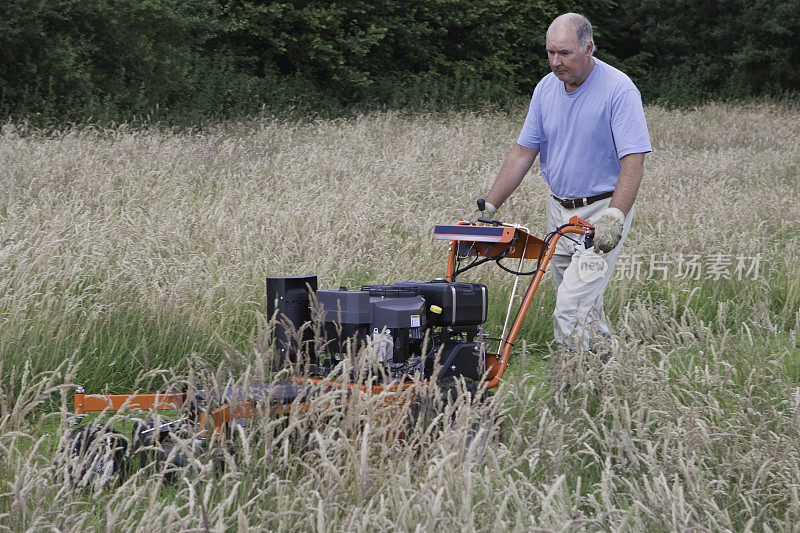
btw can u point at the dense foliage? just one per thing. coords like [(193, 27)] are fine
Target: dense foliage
[(684, 52), (115, 59)]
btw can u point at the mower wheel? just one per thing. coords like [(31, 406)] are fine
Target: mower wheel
[(427, 406), (144, 442), (450, 389), (94, 456), (154, 446)]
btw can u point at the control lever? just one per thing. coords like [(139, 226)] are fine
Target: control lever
[(588, 239), (482, 207)]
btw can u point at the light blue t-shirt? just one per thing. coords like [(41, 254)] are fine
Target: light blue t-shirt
[(582, 135)]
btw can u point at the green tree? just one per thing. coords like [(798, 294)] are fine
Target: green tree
[(685, 52), (71, 58)]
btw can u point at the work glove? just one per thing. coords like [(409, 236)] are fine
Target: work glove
[(488, 211), (608, 230)]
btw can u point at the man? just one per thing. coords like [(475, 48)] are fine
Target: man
[(587, 122)]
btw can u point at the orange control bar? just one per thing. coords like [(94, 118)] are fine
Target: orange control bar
[(487, 241)]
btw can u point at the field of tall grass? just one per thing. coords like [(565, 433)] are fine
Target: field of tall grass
[(135, 259)]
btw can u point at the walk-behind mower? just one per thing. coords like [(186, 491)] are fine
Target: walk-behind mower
[(414, 334)]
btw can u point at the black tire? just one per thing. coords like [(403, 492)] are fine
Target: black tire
[(427, 406), (154, 447), (450, 390), (144, 442), (95, 456)]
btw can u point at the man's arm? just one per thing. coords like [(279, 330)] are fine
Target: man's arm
[(516, 165), (630, 177)]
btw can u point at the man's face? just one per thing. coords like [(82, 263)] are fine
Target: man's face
[(563, 52)]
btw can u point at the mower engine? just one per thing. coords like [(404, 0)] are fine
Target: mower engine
[(411, 328)]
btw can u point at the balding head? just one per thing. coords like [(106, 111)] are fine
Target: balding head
[(576, 23), (569, 47)]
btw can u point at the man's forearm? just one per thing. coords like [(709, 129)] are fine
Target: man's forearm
[(516, 165), (630, 177)]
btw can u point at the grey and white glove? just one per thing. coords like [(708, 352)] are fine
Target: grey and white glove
[(608, 230), (488, 212)]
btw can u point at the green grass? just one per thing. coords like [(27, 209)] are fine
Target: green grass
[(135, 259)]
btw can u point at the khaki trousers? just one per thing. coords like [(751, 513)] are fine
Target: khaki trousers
[(580, 277)]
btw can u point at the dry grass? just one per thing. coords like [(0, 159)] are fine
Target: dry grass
[(122, 253)]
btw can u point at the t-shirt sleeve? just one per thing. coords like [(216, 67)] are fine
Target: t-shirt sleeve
[(628, 125), (529, 137)]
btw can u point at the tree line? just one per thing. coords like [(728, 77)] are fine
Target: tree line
[(112, 60)]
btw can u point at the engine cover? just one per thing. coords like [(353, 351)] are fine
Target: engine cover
[(385, 314), (462, 304)]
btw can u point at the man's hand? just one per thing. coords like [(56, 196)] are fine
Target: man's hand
[(488, 212), (608, 230)]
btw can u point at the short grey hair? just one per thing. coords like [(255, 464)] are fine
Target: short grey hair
[(583, 29)]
